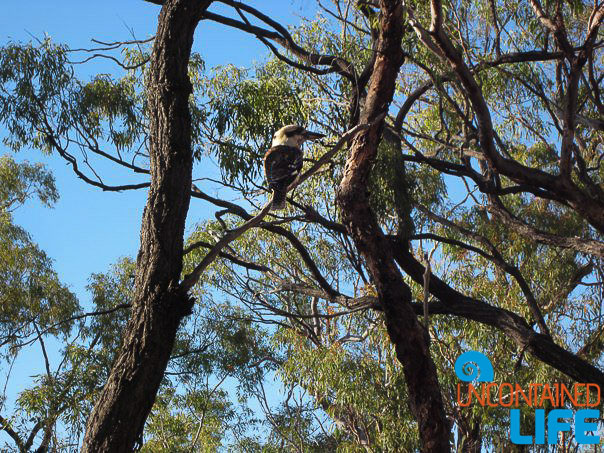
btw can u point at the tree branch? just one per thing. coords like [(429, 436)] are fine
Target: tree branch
[(514, 326), (6, 427), (251, 222)]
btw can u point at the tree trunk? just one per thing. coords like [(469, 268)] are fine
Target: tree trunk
[(409, 337), (118, 418)]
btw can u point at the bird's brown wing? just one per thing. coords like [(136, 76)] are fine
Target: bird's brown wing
[(282, 164)]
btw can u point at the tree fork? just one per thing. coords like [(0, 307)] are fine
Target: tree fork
[(159, 304), (408, 336)]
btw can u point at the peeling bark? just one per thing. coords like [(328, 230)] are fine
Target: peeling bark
[(408, 336)]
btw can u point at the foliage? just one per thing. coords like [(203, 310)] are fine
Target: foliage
[(286, 349)]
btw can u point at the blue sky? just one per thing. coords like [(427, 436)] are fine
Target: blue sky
[(89, 229)]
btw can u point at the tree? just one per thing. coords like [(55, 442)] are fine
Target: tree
[(33, 302), (159, 304), (511, 109)]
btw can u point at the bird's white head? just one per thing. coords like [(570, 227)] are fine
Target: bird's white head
[(292, 135)]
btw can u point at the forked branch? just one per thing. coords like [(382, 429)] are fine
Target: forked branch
[(191, 279)]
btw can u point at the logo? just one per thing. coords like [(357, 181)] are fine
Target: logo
[(474, 366), (475, 369)]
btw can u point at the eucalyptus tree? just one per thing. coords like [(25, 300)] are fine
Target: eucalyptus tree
[(442, 127), (483, 140), (34, 303)]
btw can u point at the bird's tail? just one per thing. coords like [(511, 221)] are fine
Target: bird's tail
[(278, 202)]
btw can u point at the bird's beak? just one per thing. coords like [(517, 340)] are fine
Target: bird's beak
[(308, 135)]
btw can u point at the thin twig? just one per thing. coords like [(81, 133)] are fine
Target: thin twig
[(427, 274), (192, 278)]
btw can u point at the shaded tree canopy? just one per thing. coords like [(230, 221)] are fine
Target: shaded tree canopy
[(457, 203)]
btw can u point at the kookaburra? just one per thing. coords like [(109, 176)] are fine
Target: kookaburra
[(283, 161)]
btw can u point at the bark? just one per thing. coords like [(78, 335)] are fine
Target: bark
[(514, 326), (408, 336), (159, 304), (562, 186), (452, 302)]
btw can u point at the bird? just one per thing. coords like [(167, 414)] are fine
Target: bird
[(283, 160)]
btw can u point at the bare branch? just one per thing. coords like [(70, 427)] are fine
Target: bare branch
[(513, 325), (283, 38), (497, 258), (587, 246), (192, 278)]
